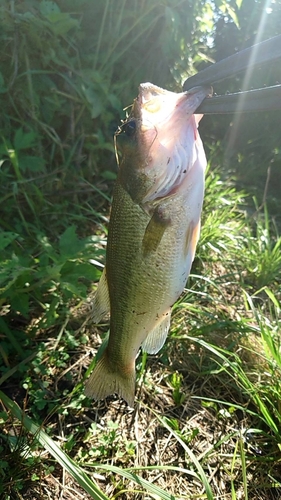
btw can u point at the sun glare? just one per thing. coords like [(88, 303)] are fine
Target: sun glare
[(245, 86)]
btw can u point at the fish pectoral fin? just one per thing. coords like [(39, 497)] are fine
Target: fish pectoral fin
[(155, 230), (101, 303), (107, 379), (156, 338)]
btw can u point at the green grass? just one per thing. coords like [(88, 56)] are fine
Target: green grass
[(212, 394)]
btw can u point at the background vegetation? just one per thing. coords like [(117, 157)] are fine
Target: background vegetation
[(207, 419)]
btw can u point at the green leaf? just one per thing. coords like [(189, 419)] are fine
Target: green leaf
[(31, 163), (69, 243), (24, 140), (74, 271), (14, 268), (48, 7), (227, 9), (20, 303), (115, 102), (79, 290), (62, 23), (6, 238), (94, 101), (108, 175)]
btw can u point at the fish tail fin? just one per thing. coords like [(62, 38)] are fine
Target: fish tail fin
[(107, 379)]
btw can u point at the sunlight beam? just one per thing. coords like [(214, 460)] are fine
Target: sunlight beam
[(241, 101)]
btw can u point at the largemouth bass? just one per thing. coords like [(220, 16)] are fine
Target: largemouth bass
[(153, 231)]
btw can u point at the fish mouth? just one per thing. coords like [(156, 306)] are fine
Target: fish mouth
[(155, 105), (160, 112)]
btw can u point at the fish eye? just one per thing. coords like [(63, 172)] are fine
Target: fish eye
[(129, 128)]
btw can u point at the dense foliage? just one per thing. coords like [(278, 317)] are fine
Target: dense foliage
[(68, 68)]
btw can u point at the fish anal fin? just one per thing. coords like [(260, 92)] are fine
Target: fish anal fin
[(108, 379), (155, 230), (156, 338), (101, 302)]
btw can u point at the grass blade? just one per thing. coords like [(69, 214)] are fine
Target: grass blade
[(64, 460), (150, 487), (201, 474), (16, 368), (235, 370)]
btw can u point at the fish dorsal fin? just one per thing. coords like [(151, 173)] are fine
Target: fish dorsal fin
[(156, 338), (101, 303)]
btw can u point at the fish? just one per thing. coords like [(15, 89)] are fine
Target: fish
[(153, 231)]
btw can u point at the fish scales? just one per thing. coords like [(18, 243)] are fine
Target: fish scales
[(135, 288), (153, 231)]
